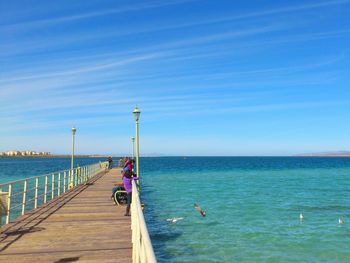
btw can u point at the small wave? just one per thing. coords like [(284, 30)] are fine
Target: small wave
[(165, 236), (322, 208)]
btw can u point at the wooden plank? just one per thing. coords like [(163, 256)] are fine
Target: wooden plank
[(82, 225)]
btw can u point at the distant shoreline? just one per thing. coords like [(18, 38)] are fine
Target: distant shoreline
[(185, 157), (56, 156), (326, 154), (323, 155)]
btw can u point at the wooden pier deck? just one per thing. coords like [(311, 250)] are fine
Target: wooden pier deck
[(84, 225)]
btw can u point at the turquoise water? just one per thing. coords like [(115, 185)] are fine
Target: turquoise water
[(252, 205)]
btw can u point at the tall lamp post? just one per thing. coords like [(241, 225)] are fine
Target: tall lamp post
[(137, 116), (70, 184), (133, 147), (73, 136)]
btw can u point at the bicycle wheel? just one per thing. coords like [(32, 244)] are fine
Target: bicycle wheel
[(119, 196)]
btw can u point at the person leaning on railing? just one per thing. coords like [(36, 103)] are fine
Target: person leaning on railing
[(110, 162), (128, 177), (122, 161), (129, 165)]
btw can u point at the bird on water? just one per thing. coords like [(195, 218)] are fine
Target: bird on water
[(174, 219), (200, 210)]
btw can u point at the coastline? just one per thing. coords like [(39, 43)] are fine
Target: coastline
[(172, 156), (57, 156)]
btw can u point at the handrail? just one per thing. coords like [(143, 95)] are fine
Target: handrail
[(33, 177), (20, 196), (142, 250)]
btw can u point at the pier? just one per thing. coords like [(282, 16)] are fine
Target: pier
[(83, 224)]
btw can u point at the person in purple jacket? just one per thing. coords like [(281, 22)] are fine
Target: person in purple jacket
[(128, 176), (129, 165)]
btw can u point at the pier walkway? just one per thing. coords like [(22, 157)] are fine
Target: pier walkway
[(83, 225)]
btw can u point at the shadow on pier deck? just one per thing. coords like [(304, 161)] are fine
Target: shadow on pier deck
[(82, 225)]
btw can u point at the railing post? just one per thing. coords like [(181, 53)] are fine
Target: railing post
[(59, 185), (45, 189), (70, 181), (9, 204), (75, 176), (72, 177), (36, 192), (64, 181), (24, 197), (79, 174), (83, 175), (52, 186)]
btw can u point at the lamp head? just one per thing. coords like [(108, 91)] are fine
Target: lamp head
[(74, 130), (136, 113)]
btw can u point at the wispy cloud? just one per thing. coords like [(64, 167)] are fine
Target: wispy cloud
[(86, 69), (282, 10), (156, 4), (173, 108), (112, 33), (248, 15), (106, 12), (50, 106), (289, 70), (250, 108)]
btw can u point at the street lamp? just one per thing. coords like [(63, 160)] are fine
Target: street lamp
[(137, 116), (73, 136), (133, 147), (70, 184)]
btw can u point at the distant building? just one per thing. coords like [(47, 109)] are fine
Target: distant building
[(24, 153), (12, 153)]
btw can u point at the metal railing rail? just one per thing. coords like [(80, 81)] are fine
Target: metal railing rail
[(142, 250), (21, 196)]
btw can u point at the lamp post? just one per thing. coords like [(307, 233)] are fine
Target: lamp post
[(133, 147), (70, 185), (137, 116), (73, 136)]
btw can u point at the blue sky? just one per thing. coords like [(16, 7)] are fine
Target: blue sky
[(210, 77)]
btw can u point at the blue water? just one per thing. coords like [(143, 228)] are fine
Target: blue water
[(252, 205)]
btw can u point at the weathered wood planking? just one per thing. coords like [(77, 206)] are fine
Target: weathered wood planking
[(83, 225)]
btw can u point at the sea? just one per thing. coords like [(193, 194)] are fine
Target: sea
[(252, 205)]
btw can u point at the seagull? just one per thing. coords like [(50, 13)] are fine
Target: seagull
[(174, 219), (200, 210), (341, 221), (301, 216)]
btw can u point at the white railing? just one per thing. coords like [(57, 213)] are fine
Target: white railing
[(142, 250), (19, 197)]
